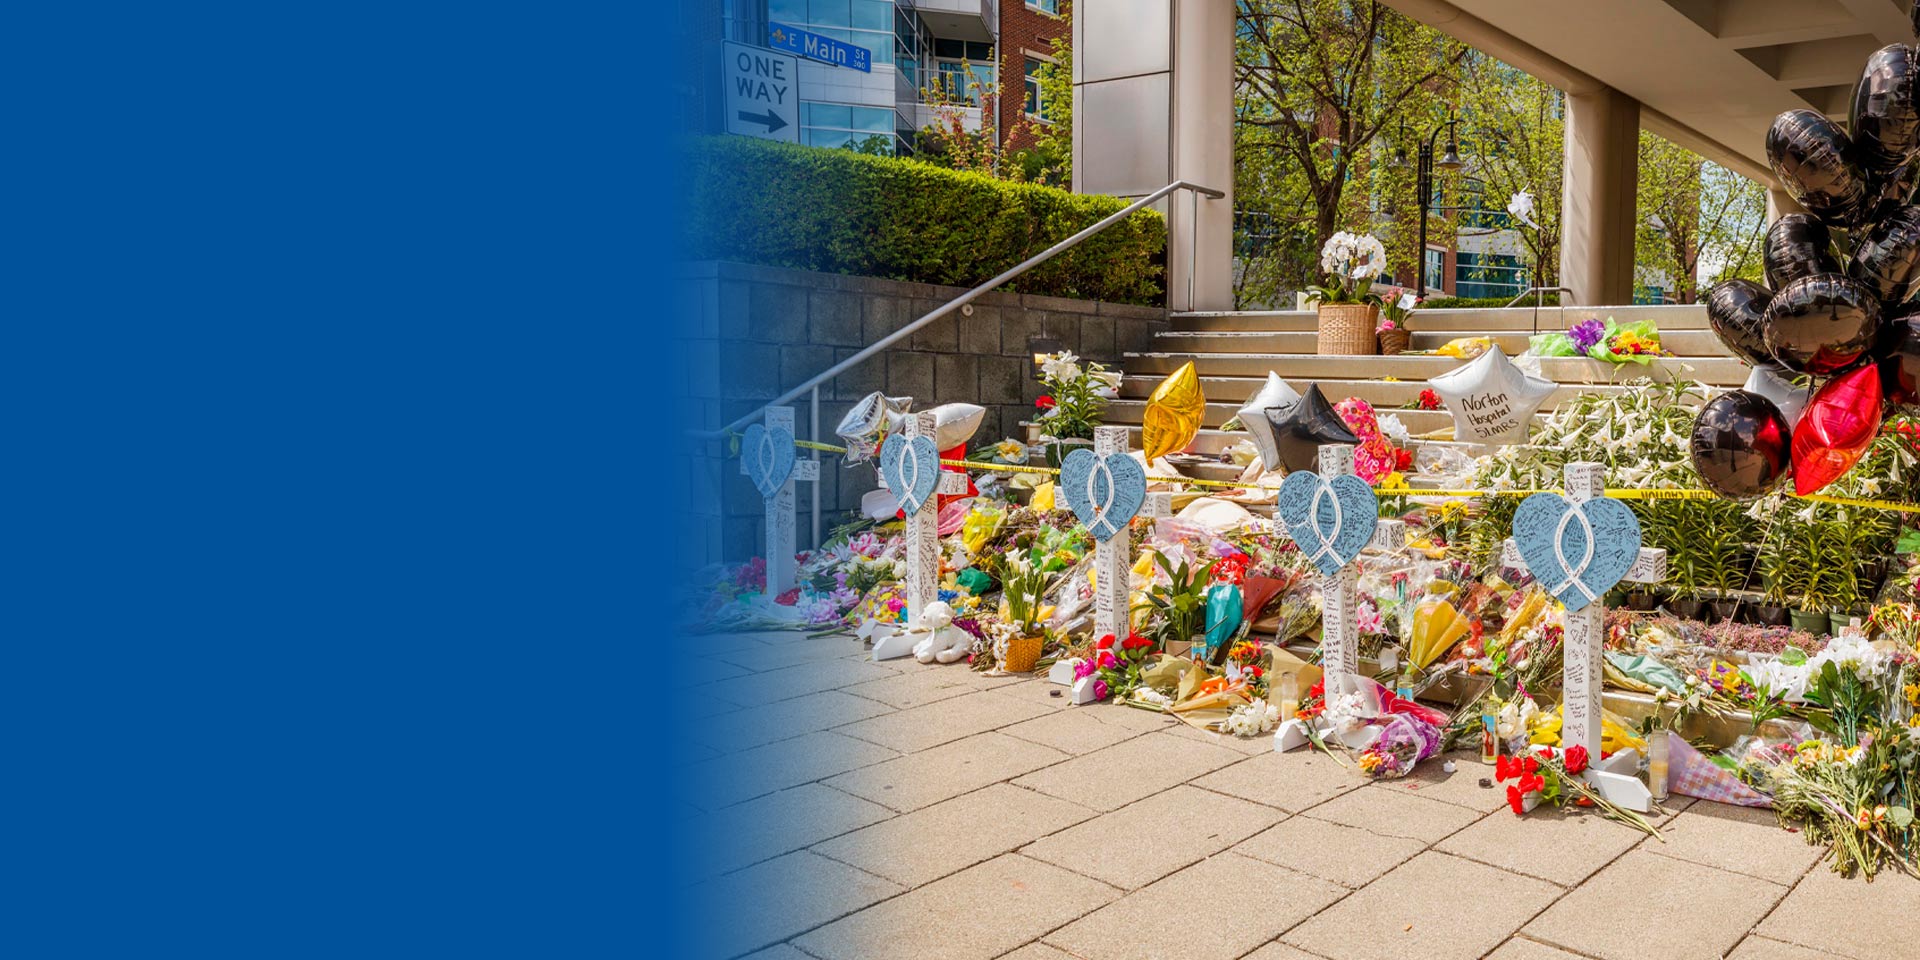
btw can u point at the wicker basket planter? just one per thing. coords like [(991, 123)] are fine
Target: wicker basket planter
[(1022, 653), (1346, 329), (1395, 341)]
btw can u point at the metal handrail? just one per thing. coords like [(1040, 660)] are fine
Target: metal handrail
[(1530, 291), (961, 301)]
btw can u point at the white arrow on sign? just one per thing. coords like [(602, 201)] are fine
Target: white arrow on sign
[(763, 97)]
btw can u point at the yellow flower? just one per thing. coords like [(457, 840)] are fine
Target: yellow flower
[(1394, 481), (1012, 451)]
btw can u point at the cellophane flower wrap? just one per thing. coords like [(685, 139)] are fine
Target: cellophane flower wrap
[(1404, 741)]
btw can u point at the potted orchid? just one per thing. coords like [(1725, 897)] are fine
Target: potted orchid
[(1396, 305), (1348, 308)]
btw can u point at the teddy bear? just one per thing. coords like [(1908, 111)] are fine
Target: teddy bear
[(939, 639)]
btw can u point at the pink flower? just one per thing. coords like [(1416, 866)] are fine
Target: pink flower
[(1082, 669), (1108, 661), (1100, 690)]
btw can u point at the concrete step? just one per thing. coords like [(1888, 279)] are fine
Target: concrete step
[(1667, 316), (1299, 370), (1685, 343), (1213, 443), (1226, 396)]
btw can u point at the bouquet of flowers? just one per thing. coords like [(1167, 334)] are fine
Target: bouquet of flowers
[(1077, 394), (1120, 663), (1553, 776), (1602, 340), (1404, 741), (1376, 456), (1350, 261)]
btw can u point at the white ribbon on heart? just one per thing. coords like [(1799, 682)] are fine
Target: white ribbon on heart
[(764, 457), (1313, 523), (1100, 519), (909, 461), (1559, 552)]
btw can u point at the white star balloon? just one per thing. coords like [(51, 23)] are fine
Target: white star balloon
[(1274, 394), (1771, 382), (1492, 400)]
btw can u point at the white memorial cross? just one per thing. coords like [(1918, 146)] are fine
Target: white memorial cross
[(780, 507), (922, 549), (1583, 671)]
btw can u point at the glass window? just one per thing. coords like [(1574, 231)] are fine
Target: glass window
[(1036, 106), (791, 12), (979, 51), (873, 14), (879, 44), (953, 78), (955, 49), (828, 138), (873, 119), (828, 115), (1045, 6), (831, 13)]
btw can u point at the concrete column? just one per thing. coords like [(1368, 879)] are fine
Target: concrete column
[(1203, 50), (1153, 103), (1597, 201), (1780, 203)]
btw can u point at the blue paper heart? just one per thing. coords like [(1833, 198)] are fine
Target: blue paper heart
[(769, 455), (1575, 552), (1104, 490), (1332, 521), (911, 467)]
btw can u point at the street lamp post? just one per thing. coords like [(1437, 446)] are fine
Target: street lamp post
[(1424, 185)]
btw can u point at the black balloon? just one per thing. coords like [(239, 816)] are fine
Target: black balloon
[(1887, 256), (1899, 353), (1798, 245), (1299, 430), (1821, 324), (1884, 118), (1741, 446), (1737, 310), (1811, 156), (1888, 192)]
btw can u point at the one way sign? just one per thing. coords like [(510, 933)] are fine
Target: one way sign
[(762, 92)]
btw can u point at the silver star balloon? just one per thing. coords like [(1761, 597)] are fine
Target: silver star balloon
[(1492, 401), (1775, 384), (1274, 395)]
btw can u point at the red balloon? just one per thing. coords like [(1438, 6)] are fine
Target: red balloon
[(1840, 423)]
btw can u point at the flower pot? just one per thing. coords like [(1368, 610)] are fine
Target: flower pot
[(1812, 621), (1058, 449), (1687, 609), (1617, 597), (1767, 615), (1639, 600), (1346, 329), (1395, 342), (1838, 621), (1022, 653), (1725, 611)]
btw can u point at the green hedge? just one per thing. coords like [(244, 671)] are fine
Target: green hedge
[(836, 211), (1476, 303)]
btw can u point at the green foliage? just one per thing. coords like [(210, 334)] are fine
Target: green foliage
[(1695, 216), (1478, 303), (1179, 606), (836, 211)]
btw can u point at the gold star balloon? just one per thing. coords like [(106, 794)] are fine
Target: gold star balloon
[(1173, 413)]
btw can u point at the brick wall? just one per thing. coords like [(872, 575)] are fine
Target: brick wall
[(1022, 28), (749, 332)]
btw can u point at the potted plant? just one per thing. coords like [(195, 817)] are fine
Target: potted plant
[(1348, 309), (1396, 307), (1179, 606), (1771, 567), (1022, 636), (1076, 396)]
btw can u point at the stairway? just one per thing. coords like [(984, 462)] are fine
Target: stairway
[(1233, 351)]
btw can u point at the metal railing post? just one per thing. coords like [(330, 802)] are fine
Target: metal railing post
[(813, 433)]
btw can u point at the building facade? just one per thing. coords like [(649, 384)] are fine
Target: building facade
[(931, 61)]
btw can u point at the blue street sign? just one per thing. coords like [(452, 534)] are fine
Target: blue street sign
[(816, 47)]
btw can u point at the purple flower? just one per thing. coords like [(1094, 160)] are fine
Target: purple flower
[(1586, 333), (1082, 669)]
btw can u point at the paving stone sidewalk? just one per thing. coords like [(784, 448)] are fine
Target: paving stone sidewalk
[(859, 810)]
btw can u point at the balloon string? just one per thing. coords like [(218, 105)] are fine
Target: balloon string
[(1619, 493)]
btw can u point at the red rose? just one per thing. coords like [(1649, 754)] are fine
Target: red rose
[(1104, 643), (1516, 800), (1402, 459), (1576, 759), (1429, 400), (1045, 402), (789, 598), (1531, 783), (1135, 642)]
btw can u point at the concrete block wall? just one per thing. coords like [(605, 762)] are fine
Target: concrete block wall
[(747, 333)]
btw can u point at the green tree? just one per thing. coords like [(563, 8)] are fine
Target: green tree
[(1323, 86), (1513, 132), (1695, 221)]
